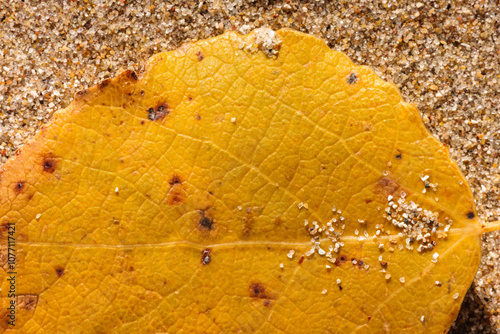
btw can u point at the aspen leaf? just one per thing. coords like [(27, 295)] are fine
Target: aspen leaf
[(260, 183)]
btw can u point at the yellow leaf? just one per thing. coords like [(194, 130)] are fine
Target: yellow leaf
[(258, 183)]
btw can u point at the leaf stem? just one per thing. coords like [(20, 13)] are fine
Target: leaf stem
[(490, 226)]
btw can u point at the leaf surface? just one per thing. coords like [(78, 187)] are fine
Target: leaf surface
[(252, 183)]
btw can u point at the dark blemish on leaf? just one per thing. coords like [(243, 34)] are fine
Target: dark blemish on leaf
[(301, 259), (81, 93), (340, 260), (470, 215), (142, 122), (385, 187), (175, 180), (159, 113), (19, 186), (267, 303), (4, 228), (132, 75), (198, 117), (59, 271), (27, 302), (176, 195), (383, 264), (190, 99), (103, 84), (49, 165), (131, 268), (352, 79), (142, 93), (399, 156), (368, 201), (205, 256), (360, 263), (200, 55), (176, 199), (369, 317), (206, 223), (257, 290), (340, 287), (151, 114)]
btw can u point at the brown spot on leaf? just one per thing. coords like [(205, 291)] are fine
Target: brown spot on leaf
[(249, 220), (470, 215), (4, 228), (206, 223), (277, 221), (103, 84), (385, 187), (368, 201), (81, 93), (19, 187), (340, 260), (267, 303), (151, 114), (352, 79), (257, 290), (177, 194), (175, 197), (205, 256), (158, 113), (131, 74), (49, 164), (175, 180), (59, 271), (200, 55), (399, 156), (301, 259), (27, 302)]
